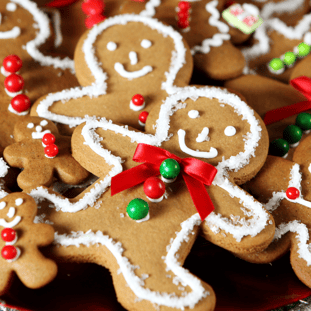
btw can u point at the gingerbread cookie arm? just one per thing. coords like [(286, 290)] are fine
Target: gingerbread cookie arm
[(5, 280)]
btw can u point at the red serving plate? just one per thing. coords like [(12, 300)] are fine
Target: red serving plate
[(238, 285)]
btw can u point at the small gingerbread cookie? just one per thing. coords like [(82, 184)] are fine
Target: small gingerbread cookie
[(20, 242), (43, 154), (126, 64), (105, 227)]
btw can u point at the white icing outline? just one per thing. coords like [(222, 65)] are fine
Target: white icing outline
[(213, 153), (56, 19), (99, 87), (135, 283), (4, 169), (215, 221), (32, 46)]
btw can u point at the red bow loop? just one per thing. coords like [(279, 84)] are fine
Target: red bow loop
[(303, 85), (195, 173)]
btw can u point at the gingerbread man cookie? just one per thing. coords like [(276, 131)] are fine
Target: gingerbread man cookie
[(20, 242), (283, 186), (143, 256), (124, 56), (26, 31), (200, 23), (41, 163)]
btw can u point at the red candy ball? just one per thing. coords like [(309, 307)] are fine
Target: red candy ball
[(48, 139), (138, 100), (20, 103), (183, 23), (182, 15), (93, 7), (92, 20), (184, 6), (154, 187), (143, 116), (12, 63), (14, 83), (8, 235), (292, 193), (9, 252), (51, 151)]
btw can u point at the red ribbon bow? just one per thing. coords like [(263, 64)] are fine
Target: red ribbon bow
[(301, 84), (195, 173), (60, 3)]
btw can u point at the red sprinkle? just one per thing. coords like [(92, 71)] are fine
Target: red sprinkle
[(92, 20), (93, 7), (143, 116), (9, 252), (154, 187), (138, 100), (20, 103), (292, 193), (12, 63), (184, 6), (51, 151), (48, 139), (14, 83), (183, 23), (8, 234)]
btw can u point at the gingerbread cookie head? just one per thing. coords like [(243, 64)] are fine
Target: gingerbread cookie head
[(20, 240), (152, 60), (43, 154)]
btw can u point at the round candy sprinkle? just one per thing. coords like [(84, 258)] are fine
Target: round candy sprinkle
[(289, 58), (48, 139), (14, 83), (279, 147), (9, 252), (143, 118), (183, 23), (292, 193), (93, 7), (303, 120), (292, 134), (8, 235), (92, 20), (51, 151), (154, 189), (276, 65), (183, 15), (12, 63), (20, 103), (303, 49), (169, 169), (184, 6), (137, 209)]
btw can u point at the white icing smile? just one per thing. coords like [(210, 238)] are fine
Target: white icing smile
[(11, 34), (199, 154), (119, 68), (10, 224)]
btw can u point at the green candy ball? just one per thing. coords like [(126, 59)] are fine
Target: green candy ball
[(303, 49), (276, 64), (169, 168), (279, 147), (303, 120), (289, 58), (292, 134), (137, 209)]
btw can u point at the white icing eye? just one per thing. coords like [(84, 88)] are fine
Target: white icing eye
[(146, 44), (111, 46), (43, 122), (2, 205), (30, 125), (193, 114), (230, 130), (19, 202)]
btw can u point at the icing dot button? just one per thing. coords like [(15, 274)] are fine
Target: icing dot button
[(303, 120), (137, 102), (279, 147), (8, 235), (12, 63), (292, 133), (9, 252), (142, 118), (303, 49), (20, 103), (14, 83), (169, 170), (289, 58), (137, 209), (51, 151), (48, 139), (154, 189), (292, 193)]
